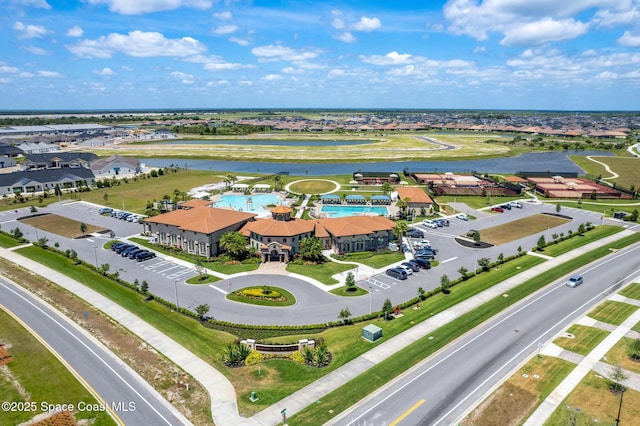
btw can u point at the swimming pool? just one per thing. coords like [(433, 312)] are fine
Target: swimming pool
[(342, 211), (249, 203)]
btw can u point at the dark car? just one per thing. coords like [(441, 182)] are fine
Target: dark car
[(423, 263), (105, 210), (397, 273), (145, 255), (414, 267), (429, 253), (125, 252), (114, 246), (439, 222), (132, 254), (445, 222), (415, 233), (123, 247), (506, 206)]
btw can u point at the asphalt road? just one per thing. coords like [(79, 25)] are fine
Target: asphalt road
[(314, 305), (131, 399), (442, 389)]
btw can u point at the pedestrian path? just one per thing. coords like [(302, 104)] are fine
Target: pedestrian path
[(223, 398), (588, 363)]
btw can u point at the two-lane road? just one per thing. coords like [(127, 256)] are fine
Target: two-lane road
[(132, 401), (442, 389)]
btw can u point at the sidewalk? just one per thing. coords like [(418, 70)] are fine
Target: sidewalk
[(223, 398), (588, 363)]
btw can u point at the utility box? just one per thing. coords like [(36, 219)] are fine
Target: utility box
[(372, 332)]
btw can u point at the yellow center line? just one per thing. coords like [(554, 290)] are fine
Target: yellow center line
[(406, 413)]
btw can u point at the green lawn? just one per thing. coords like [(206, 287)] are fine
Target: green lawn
[(595, 234), (585, 340), (7, 241), (619, 355), (632, 291), (373, 259), (289, 299), (37, 375), (613, 312), (322, 272), (342, 291)]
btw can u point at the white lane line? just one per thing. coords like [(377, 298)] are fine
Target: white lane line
[(219, 289), (449, 260)]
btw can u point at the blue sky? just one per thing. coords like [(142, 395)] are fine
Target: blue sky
[(491, 54)]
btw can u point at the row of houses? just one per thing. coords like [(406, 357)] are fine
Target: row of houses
[(197, 229)]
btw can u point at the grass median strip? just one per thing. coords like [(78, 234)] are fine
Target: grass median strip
[(355, 390), (581, 339), (612, 312)]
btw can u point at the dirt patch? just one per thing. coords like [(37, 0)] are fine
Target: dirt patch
[(169, 380), (521, 228), (507, 406), (5, 356), (61, 225)]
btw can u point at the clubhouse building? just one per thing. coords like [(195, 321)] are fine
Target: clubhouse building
[(197, 228)]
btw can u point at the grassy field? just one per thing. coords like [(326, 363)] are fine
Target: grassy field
[(520, 228), (7, 241), (584, 341), (591, 403), (37, 375), (618, 355), (627, 167), (374, 260), (388, 147), (60, 225), (632, 291), (315, 186), (588, 237), (612, 312), (521, 394)]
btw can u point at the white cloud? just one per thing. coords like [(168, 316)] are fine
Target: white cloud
[(30, 31), (629, 40), (607, 75), (624, 13), (367, 24), (392, 58), (480, 49), (5, 69), (138, 44), (75, 31), (104, 72), (37, 50), (215, 63), (540, 32), (272, 77), (240, 41), (49, 74), (225, 29), (277, 52), (292, 70), (338, 24), (223, 16), (346, 37), (137, 7), (183, 77)]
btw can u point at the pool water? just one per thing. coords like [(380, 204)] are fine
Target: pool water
[(258, 204), (342, 211)]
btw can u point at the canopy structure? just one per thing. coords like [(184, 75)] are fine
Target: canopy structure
[(262, 187), (240, 187), (380, 199), (355, 199), (330, 199)]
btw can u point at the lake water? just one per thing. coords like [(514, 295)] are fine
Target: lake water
[(265, 142), (554, 161)]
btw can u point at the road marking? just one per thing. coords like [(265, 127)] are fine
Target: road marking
[(219, 289), (449, 260), (406, 413)]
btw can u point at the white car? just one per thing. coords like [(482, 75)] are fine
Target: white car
[(408, 270), (463, 216), (429, 223), (515, 204), (422, 243)]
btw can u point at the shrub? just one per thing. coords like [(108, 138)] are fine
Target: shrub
[(253, 358), (297, 357)]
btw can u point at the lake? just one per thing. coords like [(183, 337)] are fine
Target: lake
[(554, 161)]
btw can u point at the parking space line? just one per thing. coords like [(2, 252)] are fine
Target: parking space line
[(179, 273), (219, 289), (448, 260)]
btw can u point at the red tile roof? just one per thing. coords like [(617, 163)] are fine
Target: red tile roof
[(201, 219)]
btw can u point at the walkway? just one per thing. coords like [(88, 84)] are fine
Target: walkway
[(223, 397), (588, 363)]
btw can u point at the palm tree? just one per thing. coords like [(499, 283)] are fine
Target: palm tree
[(234, 244), (277, 182), (400, 230)]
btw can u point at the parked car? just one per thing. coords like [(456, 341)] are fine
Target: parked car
[(397, 273), (463, 216), (422, 244), (427, 250), (126, 251), (423, 263), (424, 255), (105, 210), (443, 222), (497, 209), (429, 223), (123, 247), (438, 223), (516, 204), (132, 254), (145, 255), (414, 267), (415, 233), (506, 206), (407, 269), (574, 281), (114, 246)]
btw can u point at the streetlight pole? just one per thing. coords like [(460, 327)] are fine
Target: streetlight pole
[(620, 407), (95, 253), (175, 286)]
